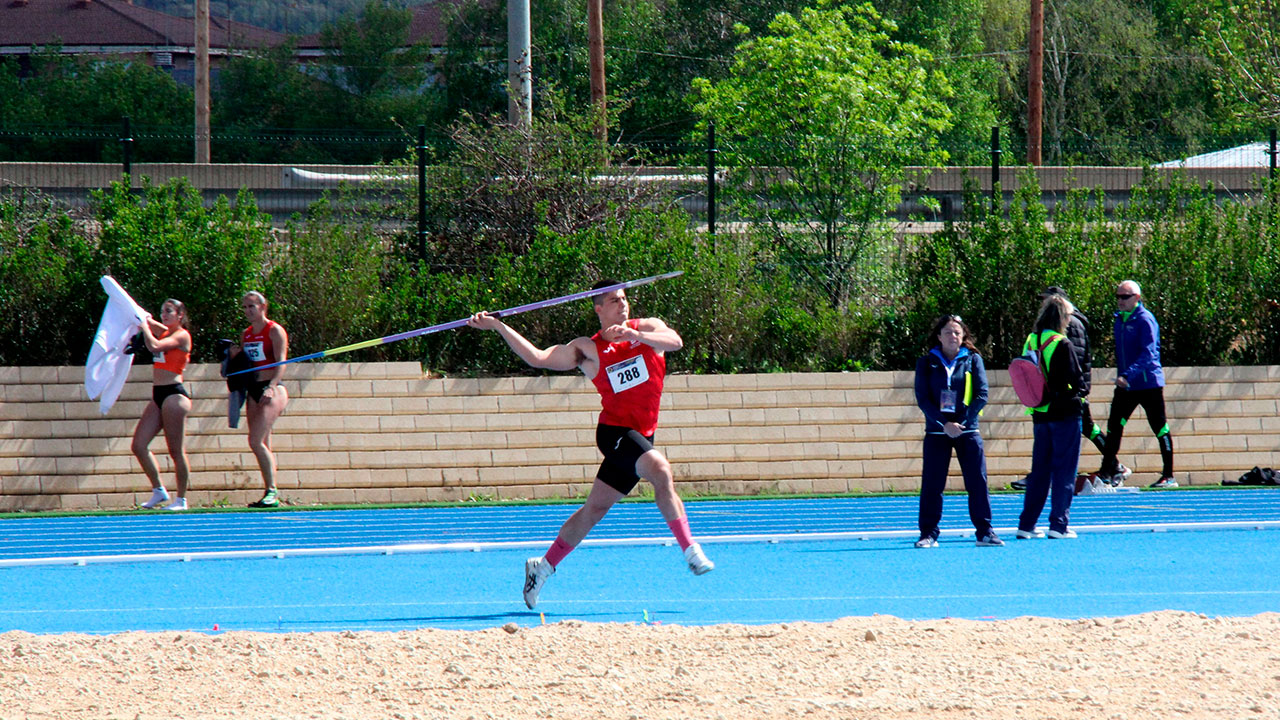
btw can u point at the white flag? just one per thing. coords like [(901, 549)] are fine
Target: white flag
[(108, 366)]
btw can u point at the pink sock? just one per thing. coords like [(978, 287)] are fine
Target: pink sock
[(557, 551), (680, 528)]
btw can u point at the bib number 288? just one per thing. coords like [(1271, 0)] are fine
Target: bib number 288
[(627, 374)]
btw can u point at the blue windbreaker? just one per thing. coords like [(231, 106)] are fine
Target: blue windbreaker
[(1138, 349)]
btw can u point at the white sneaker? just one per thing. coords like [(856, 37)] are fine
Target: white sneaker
[(179, 504), (159, 496), (1029, 534), (1097, 486), (698, 562), (1064, 535), (536, 572)]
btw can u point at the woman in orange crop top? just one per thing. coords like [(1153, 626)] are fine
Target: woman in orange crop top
[(265, 342), (170, 402)]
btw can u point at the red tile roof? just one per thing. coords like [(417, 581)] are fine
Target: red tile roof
[(109, 23)]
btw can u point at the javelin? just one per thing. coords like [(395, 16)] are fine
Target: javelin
[(459, 323)]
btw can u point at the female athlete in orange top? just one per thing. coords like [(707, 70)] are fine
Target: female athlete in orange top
[(170, 402), (265, 342)]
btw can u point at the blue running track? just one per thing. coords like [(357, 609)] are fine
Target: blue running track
[(777, 561)]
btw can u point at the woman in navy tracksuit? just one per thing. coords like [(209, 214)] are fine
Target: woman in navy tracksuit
[(951, 390)]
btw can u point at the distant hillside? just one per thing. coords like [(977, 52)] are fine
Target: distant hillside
[(299, 17)]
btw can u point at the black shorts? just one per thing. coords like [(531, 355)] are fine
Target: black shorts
[(160, 393), (622, 448), (256, 387)]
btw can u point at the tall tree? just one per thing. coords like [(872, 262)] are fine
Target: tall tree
[(653, 50), (1243, 39), (376, 75), (372, 84), (73, 108), (952, 31), (822, 114), (1122, 84)]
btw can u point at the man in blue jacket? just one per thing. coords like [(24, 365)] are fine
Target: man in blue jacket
[(1139, 381)]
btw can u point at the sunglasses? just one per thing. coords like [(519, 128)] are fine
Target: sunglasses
[(1125, 296)]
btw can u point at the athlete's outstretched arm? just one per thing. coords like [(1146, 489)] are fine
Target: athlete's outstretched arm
[(556, 357), (652, 332)]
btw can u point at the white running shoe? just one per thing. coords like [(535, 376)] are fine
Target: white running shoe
[(1029, 534), (1064, 535), (159, 496), (698, 562), (536, 572), (178, 504)]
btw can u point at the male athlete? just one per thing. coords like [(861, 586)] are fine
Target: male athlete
[(626, 362)]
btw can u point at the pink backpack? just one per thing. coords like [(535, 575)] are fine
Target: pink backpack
[(1028, 376)]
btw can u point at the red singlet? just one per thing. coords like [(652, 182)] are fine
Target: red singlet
[(630, 383), (258, 346), (175, 360)]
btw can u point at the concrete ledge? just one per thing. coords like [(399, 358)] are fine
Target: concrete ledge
[(384, 432)]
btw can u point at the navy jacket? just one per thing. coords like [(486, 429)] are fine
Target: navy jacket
[(1138, 349), (968, 381)]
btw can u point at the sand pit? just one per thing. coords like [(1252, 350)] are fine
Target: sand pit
[(1159, 665)]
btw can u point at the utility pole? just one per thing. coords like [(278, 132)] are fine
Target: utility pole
[(202, 81), (595, 45), (1035, 83), (519, 64)]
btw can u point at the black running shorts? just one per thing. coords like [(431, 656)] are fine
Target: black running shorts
[(160, 393), (622, 448)]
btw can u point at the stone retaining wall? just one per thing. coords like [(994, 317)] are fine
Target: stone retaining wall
[(385, 433)]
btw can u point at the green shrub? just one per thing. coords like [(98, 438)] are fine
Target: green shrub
[(162, 242), (49, 292), (324, 279), (1207, 268), (1199, 270)]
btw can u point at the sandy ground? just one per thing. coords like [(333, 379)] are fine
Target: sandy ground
[(1161, 665)]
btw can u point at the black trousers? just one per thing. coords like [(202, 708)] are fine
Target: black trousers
[(933, 480), (1123, 403)]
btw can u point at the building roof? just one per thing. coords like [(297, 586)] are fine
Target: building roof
[(108, 24), (1250, 155)]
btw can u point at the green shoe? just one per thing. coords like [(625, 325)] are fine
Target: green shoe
[(269, 500)]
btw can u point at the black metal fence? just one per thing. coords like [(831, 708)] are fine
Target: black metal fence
[(287, 171)]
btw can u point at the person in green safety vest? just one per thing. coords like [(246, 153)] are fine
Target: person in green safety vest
[(1055, 425), (1078, 333)]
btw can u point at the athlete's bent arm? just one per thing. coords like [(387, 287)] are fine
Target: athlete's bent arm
[(180, 340), (556, 357), (652, 332)]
